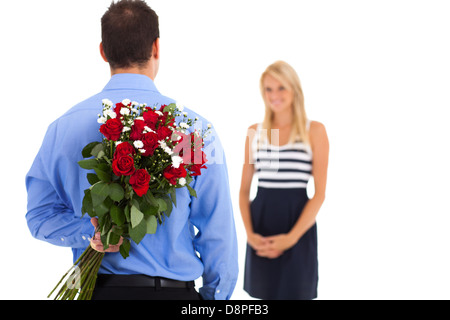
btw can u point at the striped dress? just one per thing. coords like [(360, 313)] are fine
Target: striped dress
[(283, 174)]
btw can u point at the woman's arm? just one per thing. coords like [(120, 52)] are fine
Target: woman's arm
[(253, 239), (320, 149)]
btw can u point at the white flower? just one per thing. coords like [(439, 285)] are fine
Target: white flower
[(134, 103), (209, 125), (142, 150), (140, 118), (159, 112), (148, 129), (138, 144), (182, 181), (180, 106), (126, 102), (124, 111), (107, 102), (101, 120), (184, 125), (125, 129), (185, 114), (109, 113), (176, 161), (118, 142)]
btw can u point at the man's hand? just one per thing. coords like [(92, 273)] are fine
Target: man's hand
[(97, 244)]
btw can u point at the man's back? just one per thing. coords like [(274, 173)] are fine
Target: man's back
[(56, 187)]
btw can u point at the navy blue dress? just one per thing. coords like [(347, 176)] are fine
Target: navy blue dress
[(283, 173)]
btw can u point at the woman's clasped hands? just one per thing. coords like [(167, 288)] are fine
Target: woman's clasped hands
[(272, 246)]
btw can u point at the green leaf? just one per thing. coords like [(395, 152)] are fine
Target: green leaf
[(87, 206), (100, 210), (113, 238), (151, 224), (136, 217), (102, 175), (92, 178), (99, 192), (191, 191), (116, 192), (138, 232), (96, 149), (170, 108), (173, 196), (86, 152), (161, 204), (126, 211), (117, 215), (88, 164), (125, 248)]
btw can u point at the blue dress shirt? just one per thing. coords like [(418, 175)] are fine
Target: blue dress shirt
[(56, 184)]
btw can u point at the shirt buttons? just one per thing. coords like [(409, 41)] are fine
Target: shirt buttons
[(84, 238), (217, 291), (62, 239)]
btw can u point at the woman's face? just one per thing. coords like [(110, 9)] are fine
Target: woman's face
[(276, 95)]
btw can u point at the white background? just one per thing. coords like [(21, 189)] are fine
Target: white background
[(376, 73)]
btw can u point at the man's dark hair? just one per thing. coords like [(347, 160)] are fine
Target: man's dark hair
[(129, 28)]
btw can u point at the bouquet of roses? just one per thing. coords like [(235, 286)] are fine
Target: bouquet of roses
[(142, 159)]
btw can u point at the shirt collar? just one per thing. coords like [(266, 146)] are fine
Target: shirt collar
[(130, 81)]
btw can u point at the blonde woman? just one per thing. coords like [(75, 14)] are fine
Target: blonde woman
[(284, 152)]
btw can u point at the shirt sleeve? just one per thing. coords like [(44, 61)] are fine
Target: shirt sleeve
[(50, 213), (212, 214)]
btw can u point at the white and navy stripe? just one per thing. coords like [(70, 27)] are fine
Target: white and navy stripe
[(287, 166)]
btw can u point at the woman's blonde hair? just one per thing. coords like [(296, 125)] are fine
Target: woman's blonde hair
[(287, 76)]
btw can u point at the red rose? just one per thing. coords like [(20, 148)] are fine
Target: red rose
[(198, 159), (150, 118), (163, 132), (172, 174), (123, 165), (150, 141), (112, 129), (136, 130), (140, 182), (124, 149)]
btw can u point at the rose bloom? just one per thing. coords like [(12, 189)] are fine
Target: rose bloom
[(150, 140), (112, 129), (123, 165), (136, 129), (124, 149), (172, 174), (150, 118), (140, 182)]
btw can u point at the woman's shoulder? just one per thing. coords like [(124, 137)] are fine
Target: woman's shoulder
[(316, 126), (254, 126)]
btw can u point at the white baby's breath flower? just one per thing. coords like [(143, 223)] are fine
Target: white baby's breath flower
[(118, 142), (185, 114), (109, 113), (125, 129), (184, 125), (126, 102), (148, 129), (138, 144), (142, 150), (176, 161), (101, 120), (107, 102), (159, 112), (209, 126), (182, 181), (134, 103), (140, 118), (179, 106), (124, 111)]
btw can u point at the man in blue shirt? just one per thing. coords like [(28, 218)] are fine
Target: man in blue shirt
[(164, 264)]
